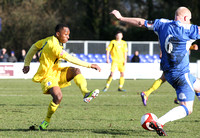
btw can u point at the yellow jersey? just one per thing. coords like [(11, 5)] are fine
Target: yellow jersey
[(117, 50), (51, 52)]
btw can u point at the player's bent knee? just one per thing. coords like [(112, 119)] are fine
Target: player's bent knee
[(72, 72), (56, 94), (188, 109), (77, 71)]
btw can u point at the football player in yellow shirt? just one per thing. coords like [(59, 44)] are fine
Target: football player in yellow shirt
[(118, 51), (51, 75)]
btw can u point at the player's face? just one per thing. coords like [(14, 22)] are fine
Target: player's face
[(119, 36), (63, 35)]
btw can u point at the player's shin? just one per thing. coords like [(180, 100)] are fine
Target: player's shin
[(154, 87), (174, 114), (121, 82), (51, 109), (109, 82), (81, 83)]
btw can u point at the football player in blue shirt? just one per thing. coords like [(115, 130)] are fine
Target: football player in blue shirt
[(174, 37)]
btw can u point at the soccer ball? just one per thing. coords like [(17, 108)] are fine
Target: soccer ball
[(146, 119)]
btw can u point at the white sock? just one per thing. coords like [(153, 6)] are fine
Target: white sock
[(174, 114)]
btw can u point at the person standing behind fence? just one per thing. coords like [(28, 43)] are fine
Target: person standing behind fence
[(22, 56), (118, 51), (4, 56), (12, 57), (136, 57)]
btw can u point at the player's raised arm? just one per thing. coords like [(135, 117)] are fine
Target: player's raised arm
[(138, 22)]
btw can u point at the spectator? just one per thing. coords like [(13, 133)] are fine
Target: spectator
[(38, 56), (22, 56), (136, 57), (4, 56), (34, 59), (12, 57)]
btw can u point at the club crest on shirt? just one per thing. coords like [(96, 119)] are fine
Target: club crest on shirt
[(49, 83), (182, 96)]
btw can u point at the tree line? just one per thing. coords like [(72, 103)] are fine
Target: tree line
[(26, 21)]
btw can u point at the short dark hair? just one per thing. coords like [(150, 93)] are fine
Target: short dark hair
[(59, 27), (118, 32)]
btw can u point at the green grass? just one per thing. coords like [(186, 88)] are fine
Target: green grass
[(111, 114)]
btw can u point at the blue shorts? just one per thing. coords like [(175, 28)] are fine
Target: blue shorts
[(183, 86)]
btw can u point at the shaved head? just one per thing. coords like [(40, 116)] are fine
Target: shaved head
[(183, 11), (183, 14)]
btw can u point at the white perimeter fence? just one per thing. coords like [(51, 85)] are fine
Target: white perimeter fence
[(133, 71), (99, 47)]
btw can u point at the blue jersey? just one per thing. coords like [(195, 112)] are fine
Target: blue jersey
[(175, 40)]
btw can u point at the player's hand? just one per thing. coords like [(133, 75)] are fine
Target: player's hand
[(124, 63), (195, 46), (117, 14), (95, 66), (26, 69), (107, 61)]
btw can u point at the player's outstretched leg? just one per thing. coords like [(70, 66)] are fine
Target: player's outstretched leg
[(91, 95), (158, 128), (144, 98)]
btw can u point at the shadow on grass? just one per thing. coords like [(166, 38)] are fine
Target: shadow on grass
[(20, 130), (115, 132)]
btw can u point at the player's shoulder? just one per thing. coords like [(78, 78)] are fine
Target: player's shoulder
[(113, 41), (186, 26), (123, 41), (52, 41), (163, 20)]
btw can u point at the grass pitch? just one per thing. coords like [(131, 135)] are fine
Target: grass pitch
[(111, 114)]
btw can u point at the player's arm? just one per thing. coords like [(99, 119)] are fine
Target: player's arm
[(107, 56), (79, 62), (108, 50), (138, 22), (125, 58), (125, 52), (32, 51)]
